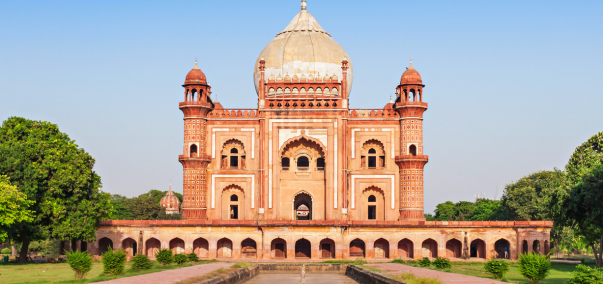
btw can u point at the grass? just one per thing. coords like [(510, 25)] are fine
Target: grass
[(241, 265), (357, 261), (560, 272), (61, 272), (410, 278)]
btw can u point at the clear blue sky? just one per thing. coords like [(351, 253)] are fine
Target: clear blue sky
[(513, 86)]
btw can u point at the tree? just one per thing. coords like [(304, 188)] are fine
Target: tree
[(445, 210), (577, 201), (13, 207), (58, 176), (121, 210), (429, 217), (528, 198), (487, 209), (144, 207), (580, 207)]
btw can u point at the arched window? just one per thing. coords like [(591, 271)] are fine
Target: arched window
[(302, 92), (310, 92), (412, 150), (233, 155), (372, 155), (334, 92), (303, 164), (193, 151), (287, 92), (193, 95), (419, 96), (320, 164), (279, 92), (234, 197), (295, 92), (318, 91), (285, 163), (372, 198), (327, 92), (271, 92), (412, 97)]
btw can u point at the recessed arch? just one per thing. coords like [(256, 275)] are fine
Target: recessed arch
[(249, 248), (303, 206), (177, 245), (303, 248), (129, 246), (478, 248), (453, 248), (381, 248), (201, 248), (152, 246), (357, 248), (412, 150), (405, 248), (193, 151), (233, 155), (278, 248), (429, 248), (536, 246), (304, 141), (372, 155), (502, 248), (224, 248), (104, 244), (327, 248)]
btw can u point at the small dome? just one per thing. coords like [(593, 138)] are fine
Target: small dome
[(279, 78), (334, 78), (287, 78), (271, 78), (311, 78), (411, 76), (195, 76), (170, 202), (295, 78), (303, 77)]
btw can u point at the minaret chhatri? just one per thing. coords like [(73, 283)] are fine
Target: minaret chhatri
[(410, 105)]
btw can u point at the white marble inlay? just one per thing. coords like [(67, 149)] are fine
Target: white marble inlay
[(335, 157), (393, 186), (214, 193)]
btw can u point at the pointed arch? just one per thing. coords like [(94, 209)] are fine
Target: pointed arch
[(304, 138)]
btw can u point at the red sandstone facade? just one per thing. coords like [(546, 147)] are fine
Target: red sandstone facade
[(304, 175)]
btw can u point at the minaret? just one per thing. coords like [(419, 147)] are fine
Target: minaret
[(410, 106), (197, 104)]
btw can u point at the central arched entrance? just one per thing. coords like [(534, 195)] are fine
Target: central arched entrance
[(302, 206)]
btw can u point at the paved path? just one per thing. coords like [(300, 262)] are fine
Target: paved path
[(445, 277), (171, 276)]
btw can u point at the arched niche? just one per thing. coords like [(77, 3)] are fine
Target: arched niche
[(233, 203), (233, 155), (373, 210), (372, 155)]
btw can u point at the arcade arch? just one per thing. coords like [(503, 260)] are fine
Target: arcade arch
[(405, 248)]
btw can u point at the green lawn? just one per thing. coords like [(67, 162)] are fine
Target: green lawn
[(62, 273), (560, 272)]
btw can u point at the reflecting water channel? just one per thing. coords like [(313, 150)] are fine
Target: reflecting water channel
[(311, 278)]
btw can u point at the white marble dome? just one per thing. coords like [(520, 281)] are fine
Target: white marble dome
[(303, 48)]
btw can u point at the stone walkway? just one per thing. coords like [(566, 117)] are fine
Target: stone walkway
[(171, 276), (445, 277)]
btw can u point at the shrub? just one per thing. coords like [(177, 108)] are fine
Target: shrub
[(398, 260), (141, 261), (442, 263), (425, 262), (80, 262), (192, 257), (5, 251), (164, 256), (498, 268), (180, 258), (586, 275), (114, 262), (534, 266)]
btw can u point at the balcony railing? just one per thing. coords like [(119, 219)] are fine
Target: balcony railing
[(233, 113), (372, 113)]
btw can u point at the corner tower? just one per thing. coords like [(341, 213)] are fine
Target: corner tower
[(194, 159), (409, 104)]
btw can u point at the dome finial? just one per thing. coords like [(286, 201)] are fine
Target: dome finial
[(196, 67), (410, 67), (390, 99), (304, 5)]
